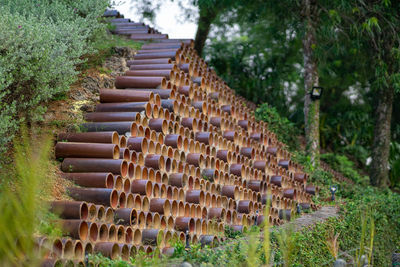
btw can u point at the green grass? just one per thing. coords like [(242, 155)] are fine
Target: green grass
[(23, 213), (104, 46)]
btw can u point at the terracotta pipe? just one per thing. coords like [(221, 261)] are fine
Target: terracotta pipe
[(120, 233), (204, 137), (245, 206), (76, 228), (115, 166), (78, 250), (122, 127), (91, 179), (149, 61), (108, 249), (285, 214), (122, 141), (185, 224), (167, 73), (178, 179), (86, 150), (195, 159), (112, 116), (91, 137), (126, 107), (152, 55), (114, 95), (195, 196), (230, 191), (237, 169), (152, 236), (67, 249), (153, 67), (160, 205), (138, 144), (163, 93), (70, 209), (310, 189), (122, 82), (174, 140), (159, 125), (141, 187), (106, 197)]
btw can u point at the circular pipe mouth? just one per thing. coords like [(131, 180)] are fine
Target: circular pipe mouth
[(92, 213), (68, 249), (103, 232), (116, 152), (109, 181), (84, 211), (124, 168), (83, 230), (128, 235), (109, 216), (167, 164), (88, 248), (148, 109), (115, 252), (131, 170), (78, 250), (127, 186), (114, 198), (122, 141), (125, 252), (93, 232), (112, 232), (145, 203), (120, 234), (118, 182), (122, 199), (115, 138)]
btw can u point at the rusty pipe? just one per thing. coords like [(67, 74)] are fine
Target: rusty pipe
[(86, 150)]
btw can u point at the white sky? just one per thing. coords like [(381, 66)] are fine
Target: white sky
[(169, 19)]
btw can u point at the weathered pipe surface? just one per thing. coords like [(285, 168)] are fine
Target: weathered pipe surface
[(99, 196), (173, 140), (76, 228), (152, 55), (114, 95), (169, 104), (124, 216), (91, 179), (70, 209), (112, 116), (115, 166), (152, 236), (138, 144), (91, 137), (150, 73), (153, 67), (125, 107), (159, 125), (185, 224), (122, 82), (163, 93), (141, 187), (149, 61), (121, 127), (86, 150), (145, 37), (108, 249), (276, 180)]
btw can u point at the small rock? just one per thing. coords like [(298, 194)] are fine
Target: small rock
[(185, 264)]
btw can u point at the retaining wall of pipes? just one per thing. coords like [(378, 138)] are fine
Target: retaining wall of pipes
[(171, 154)]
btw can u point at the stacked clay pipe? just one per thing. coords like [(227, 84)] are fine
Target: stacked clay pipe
[(170, 154)]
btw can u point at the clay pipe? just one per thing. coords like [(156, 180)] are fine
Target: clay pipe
[(91, 179), (91, 137), (86, 150)]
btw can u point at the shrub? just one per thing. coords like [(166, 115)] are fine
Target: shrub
[(41, 42), (286, 131)]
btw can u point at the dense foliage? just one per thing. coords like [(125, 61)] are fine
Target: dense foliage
[(41, 43)]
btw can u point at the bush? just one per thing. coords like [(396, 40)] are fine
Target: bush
[(345, 166), (286, 131), (41, 42)]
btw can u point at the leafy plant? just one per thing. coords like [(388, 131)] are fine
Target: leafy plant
[(23, 213), (285, 130)]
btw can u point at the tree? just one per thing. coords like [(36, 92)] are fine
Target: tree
[(373, 28)]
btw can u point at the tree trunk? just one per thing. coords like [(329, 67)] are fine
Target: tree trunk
[(206, 17), (379, 172), (311, 79)]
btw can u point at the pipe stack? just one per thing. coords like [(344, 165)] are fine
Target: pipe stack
[(171, 153)]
